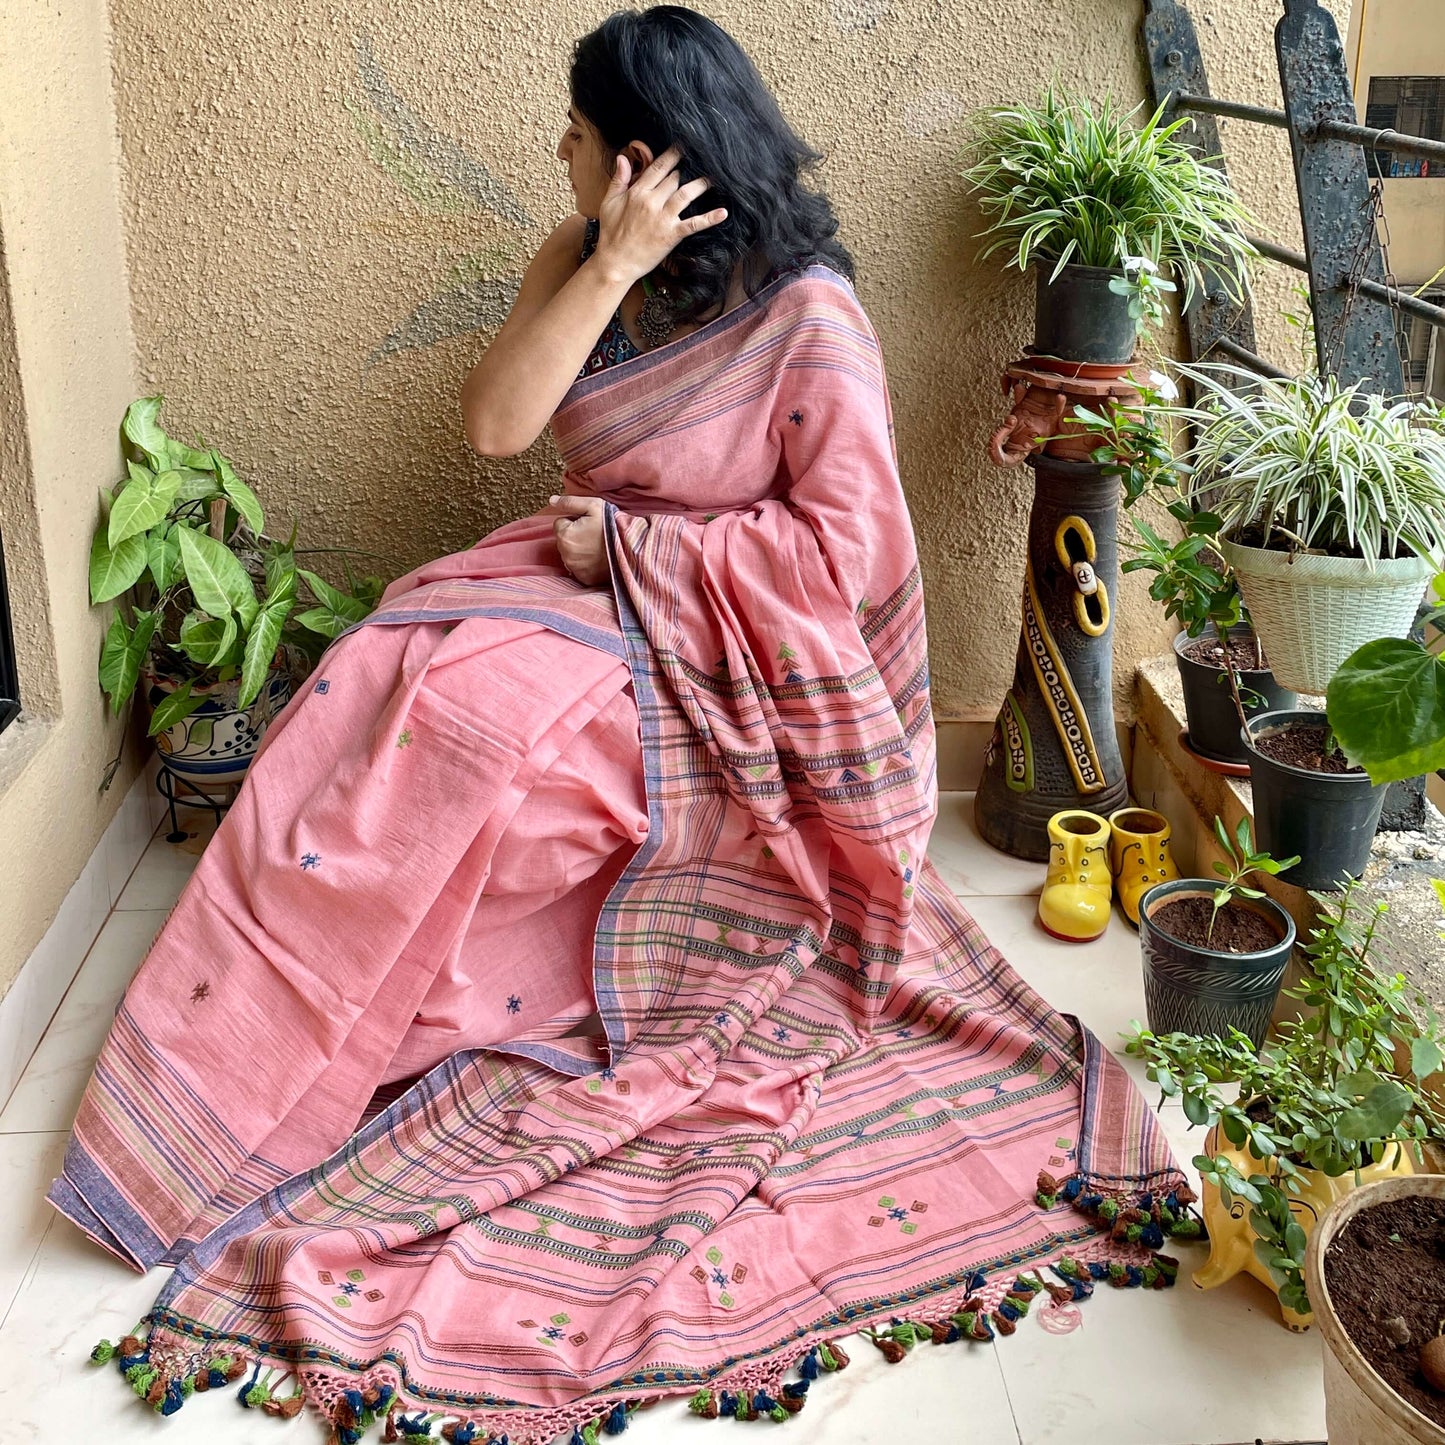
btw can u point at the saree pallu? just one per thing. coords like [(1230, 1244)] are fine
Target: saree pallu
[(812, 1097)]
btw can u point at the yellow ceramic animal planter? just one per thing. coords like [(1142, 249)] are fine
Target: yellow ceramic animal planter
[(1231, 1236)]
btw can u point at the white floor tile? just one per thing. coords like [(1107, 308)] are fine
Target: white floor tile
[(73, 1295), (969, 865), (30, 1003), (127, 838), (1102, 983), (165, 867), (49, 1090), (28, 1162), (1170, 1367)]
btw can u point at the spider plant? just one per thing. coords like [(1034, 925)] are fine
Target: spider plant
[(1305, 464), (1069, 180)]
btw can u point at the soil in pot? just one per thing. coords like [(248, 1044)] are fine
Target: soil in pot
[(1206, 651), (1385, 1271), (1304, 747), (1235, 929)]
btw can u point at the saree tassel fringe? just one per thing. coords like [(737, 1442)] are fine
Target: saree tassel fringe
[(1146, 1218)]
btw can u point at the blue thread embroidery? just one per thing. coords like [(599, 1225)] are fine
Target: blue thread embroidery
[(514, 1005), (781, 1034), (323, 686), (796, 417), (311, 860)]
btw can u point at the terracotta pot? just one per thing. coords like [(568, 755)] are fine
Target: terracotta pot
[(1360, 1408)]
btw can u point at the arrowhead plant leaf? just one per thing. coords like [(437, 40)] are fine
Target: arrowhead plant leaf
[(112, 571)]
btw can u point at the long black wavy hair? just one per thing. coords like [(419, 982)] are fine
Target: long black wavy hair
[(669, 76)]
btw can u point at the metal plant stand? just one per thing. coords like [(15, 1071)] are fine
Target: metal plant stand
[(166, 782), (1054, 745)]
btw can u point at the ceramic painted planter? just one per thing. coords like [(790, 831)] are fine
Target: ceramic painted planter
[(216, 743), (1326, 820), (1209, 702), (1313, 612), (1360, 1408), (1232, 1236), (1195, 990), (1077, 316)]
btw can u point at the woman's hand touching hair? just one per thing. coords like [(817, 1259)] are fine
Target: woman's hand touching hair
[(580, 539), (640, 221)]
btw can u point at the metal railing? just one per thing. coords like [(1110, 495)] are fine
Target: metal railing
[(1353, 298)]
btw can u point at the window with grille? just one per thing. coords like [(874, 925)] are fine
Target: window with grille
[(1413, 105), (9, 675)]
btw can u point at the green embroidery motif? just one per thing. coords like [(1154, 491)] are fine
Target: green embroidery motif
[(1019, 771), (404, 740), (899, 1213), (720, 1276)]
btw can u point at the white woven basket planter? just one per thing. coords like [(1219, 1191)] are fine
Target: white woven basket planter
[(1312, 612)]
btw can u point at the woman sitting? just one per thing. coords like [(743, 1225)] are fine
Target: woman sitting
[(564, 1015)]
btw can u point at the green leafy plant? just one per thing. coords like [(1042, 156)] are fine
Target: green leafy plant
[(1072, 180), (1188, 576), (1240, 862), (1305, 464), (1386, 703), (1135, 445), (1335, 1091), (1146, 290), (202, 594)]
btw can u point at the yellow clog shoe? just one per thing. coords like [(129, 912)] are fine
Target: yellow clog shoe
[(1139, 855), (1075, 903)]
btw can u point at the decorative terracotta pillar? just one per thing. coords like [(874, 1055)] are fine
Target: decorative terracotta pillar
[(1054, 745)]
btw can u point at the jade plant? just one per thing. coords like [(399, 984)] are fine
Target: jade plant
[(1072, 180), (203, 595), (1338, 1089)]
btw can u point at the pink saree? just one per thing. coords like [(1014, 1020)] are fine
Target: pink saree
[(566, 1016)]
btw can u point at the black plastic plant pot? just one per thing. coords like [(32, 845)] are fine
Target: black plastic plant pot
[(1194, 990), (1078, 318), (1328, 820), (1209, 702)]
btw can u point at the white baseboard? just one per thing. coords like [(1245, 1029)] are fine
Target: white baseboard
[(31, 1001)]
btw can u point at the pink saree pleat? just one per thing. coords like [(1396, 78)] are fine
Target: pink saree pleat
[(812, 1098)]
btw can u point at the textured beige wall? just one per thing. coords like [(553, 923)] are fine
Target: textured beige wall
[(1404, 37), (324, 209), (66, 374)]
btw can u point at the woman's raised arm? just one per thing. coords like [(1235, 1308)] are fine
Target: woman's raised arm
[(562, 308), (560, 311)]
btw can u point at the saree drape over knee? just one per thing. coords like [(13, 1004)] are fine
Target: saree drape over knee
[(566, 1014)]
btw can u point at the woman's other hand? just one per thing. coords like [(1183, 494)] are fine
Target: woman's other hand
[(640, 221), (580, 539)]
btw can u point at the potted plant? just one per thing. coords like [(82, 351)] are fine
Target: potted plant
[(1214, 955), (1375, 1277), (1332, 508), (1310, 797), (204, 602), (1102, 207), (1337, 1099), (1220, 658)]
